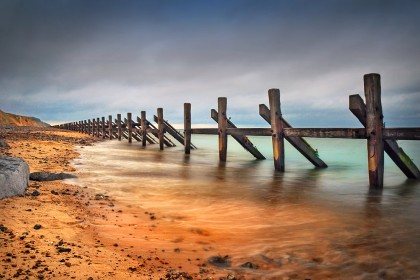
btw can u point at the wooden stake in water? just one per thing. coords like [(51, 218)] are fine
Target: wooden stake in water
[(129, 128), (277, 129), (187, 128), (222, 125), (374, 126), (110, 132), (143, 128), (160, 128), (119, 126), (103, 127)]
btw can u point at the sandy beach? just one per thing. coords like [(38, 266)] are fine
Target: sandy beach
[(61, 231)]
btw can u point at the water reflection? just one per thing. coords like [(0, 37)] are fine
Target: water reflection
[(322, 222)]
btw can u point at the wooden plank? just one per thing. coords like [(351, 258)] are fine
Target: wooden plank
[(160, 127), (110, 127), (397, 154), (401, 133), (242, 140), (222, 125), (299, 143), (350, 133), (209, 131), (143, 128), (187, 128), (374, 126), (129, 128), (277, 127)]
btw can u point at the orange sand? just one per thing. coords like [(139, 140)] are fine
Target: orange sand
[(83, 234)]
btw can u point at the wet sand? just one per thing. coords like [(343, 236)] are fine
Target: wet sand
[(62, 231)]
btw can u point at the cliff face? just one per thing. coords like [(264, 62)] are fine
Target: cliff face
[(7, 118)]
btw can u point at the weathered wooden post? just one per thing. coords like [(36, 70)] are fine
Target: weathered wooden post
[(103, 128), (160, 127), (222, 125), (110, 127), (129, 128), (277, 129), (374, 126), (89, 127), (98, 127), (143, 128), (85, 127), (187, 128), (119, 126)]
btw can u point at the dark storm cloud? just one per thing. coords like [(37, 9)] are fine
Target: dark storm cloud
[(107, 57)]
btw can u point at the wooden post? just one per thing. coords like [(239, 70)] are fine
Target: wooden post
[(277, 129), (103, 128), (187, 128), (396, 153), (222, 125), (98, 120), (143, 128), (110, 127), (90, 127), (160, 128), (85, 127), (374, 126), (119, 126), (129, 128)]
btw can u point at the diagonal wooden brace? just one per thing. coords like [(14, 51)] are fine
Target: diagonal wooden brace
[(396, 153), (242, 139), (299, 143)]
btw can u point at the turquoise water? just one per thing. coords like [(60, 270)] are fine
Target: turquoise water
[(320, 223)]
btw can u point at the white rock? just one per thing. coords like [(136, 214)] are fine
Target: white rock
[(14, 176)]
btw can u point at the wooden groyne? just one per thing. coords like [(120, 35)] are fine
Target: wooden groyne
[(369, 113)]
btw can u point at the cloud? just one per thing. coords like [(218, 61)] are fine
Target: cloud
[(83, 59)]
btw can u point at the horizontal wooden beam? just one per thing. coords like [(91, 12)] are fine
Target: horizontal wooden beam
[(402, 133), (299, 143), (242, 140)]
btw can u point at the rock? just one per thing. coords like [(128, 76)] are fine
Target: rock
[(14, 176), (219, 261), (37, 226), (3, 144), (50, 176), (249, 265)]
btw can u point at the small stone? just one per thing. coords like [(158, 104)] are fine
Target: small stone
[(37, 226), (68, 264), (35, 193), (220, 261)]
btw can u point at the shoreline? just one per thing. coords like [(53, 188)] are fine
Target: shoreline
[(62, 230)]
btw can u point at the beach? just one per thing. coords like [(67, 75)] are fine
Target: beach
[(52, 231)]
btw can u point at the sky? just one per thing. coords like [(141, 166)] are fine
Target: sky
[(70, 60)]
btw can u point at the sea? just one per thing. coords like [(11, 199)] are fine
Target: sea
[(305, 223)]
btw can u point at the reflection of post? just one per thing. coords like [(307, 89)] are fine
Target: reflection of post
[(277, 129), (160, 128), (119, 126), (143, 127), (222, 124), (103, 127), (374, 126), (110, 127), (129, 128), (187, 127)]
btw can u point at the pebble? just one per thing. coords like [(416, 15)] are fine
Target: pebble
[(37, 226)]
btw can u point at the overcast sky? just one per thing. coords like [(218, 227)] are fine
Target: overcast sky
[(74, 60)]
